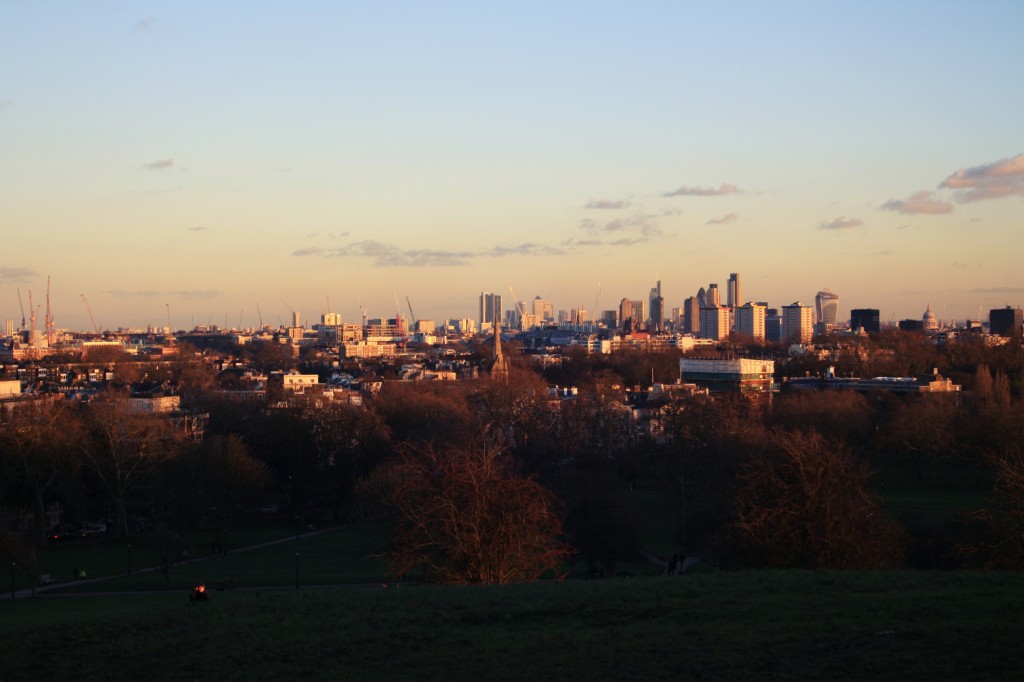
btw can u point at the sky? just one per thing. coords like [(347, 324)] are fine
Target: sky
[(233, 161)]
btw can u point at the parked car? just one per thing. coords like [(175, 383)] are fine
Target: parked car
[(63, 531), (96, 529)]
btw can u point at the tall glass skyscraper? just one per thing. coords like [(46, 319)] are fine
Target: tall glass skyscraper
[(826, 307), (734, 292), (490, 308)]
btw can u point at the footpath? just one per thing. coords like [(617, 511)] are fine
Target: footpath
[(41, 589)]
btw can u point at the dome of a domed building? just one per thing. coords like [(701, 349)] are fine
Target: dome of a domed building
[(931, 323)]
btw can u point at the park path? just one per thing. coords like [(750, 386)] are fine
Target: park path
[(27, 592)]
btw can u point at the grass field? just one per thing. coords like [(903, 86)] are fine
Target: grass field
[(739, 626)]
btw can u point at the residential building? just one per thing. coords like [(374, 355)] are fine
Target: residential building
[(750, 320), (714, 323), (797, 323)]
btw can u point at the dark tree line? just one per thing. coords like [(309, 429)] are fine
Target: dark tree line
[(782, 482)]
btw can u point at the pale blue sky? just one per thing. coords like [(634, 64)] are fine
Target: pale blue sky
[(218, 155)]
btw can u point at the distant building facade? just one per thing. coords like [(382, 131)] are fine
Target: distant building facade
[(867, 319), (1006, 321), (741, 375)]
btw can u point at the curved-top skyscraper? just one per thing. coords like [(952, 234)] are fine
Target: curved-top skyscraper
[(826, 305)]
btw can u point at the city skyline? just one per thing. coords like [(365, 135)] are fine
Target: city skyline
[(216, 158)]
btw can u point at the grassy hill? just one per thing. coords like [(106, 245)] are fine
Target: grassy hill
[(745, 625)]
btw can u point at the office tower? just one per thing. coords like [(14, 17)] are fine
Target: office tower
[(625, 311), (773, 326), (657, 304), (610, 319), (713, 298), (750, 320), (691, 315), (490, 308), (714, 323), (1005, 321), (734, 292), (9, 328), (702, 299), (632, 313), (543, 311), (797, 325), (826, 306), (867, 319)]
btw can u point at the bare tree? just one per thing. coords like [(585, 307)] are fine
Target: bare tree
[(467, 518), (38, 446), (1002, 544), (804, 502), (123, 447)]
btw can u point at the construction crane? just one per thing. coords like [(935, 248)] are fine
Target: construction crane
[(519, 308), (362, 308), (32, 319), (412, 315), (260, 314), (170, 334), (92, 319), (597, 298), (48, 320), (22, 309), (398, 311)]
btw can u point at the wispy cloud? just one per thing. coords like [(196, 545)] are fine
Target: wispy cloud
[(841, 223), (1003, 178), (919, 202), (10, 274), (6, 103), (527, 249), (724, 220), (607, 204), (189, 294), (198, 228), (723, 189), (162, 164), (634, 229), (390, 255), (998, 290)]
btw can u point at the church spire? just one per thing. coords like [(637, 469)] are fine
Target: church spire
[(499, 363)]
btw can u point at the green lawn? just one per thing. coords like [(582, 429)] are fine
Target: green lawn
[(775, 625), (944, 489), (340, 555)]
